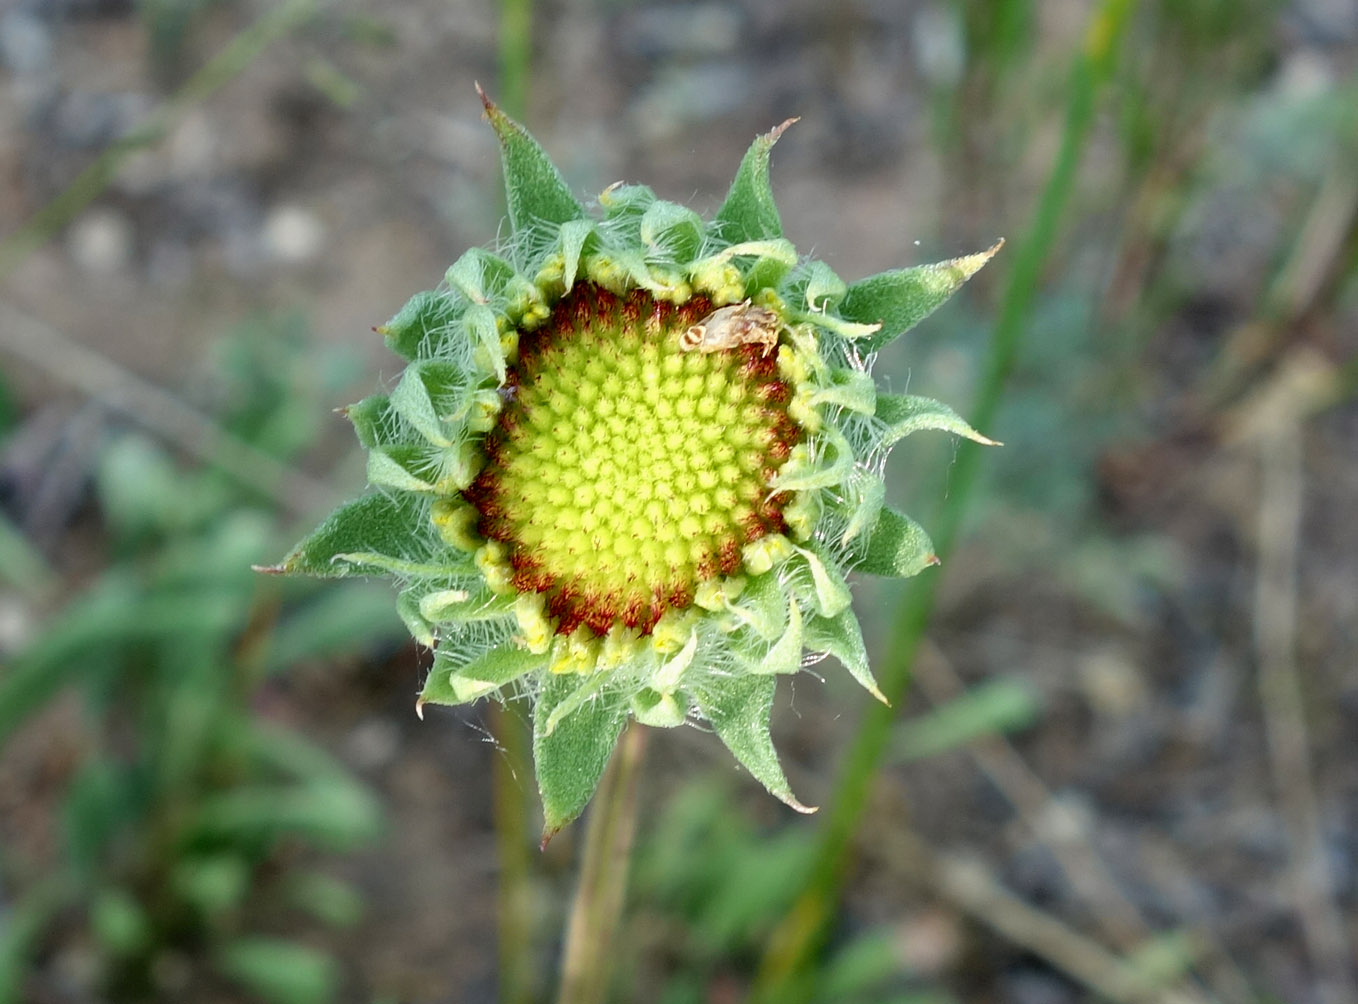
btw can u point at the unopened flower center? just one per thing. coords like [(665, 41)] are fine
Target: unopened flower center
[(625, 468)]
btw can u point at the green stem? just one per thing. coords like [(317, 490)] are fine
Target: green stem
[(516, 54), (803, 932), (515, 846), (597, 908), (513, 836)]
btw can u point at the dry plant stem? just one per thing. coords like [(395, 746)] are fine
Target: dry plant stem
[(512, 779), (969, 886), (1118, 917), (597, 908), (1275, 620), (158, 410), (1077, 858)]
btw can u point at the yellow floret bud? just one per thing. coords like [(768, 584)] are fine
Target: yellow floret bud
[(766, 552), (535, 627)]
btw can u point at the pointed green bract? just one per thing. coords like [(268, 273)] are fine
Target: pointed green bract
[(739, 709), (903, 414), (864, 497), (901, 298), (408, 609), (376, 525), (428, 395), (785, 655), (369, 418), (570, 759), (841, 637), (573, 237), (537, 196), (897, 547), (461, 684), (462, 606), (424, 320), (671, 231), (749, 212), (480, 275), (661, 711)]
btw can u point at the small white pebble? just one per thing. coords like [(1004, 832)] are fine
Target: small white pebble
[(293, 235), (101, 242)]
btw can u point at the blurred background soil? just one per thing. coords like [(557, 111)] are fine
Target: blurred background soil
[(1157, 591)]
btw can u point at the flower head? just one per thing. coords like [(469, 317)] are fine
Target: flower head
[(630, 462)]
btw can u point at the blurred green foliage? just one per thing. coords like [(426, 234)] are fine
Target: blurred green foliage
[(193, 827), (711, 886)]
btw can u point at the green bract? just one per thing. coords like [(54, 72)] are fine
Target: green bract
[(630, 462)]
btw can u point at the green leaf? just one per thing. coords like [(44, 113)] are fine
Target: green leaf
[(864, 497), (369, 536), (829, 592), (457, 606), (661, 711), (762, 605), (425, 319), (901, 298), (896, 547), (786, 654), (848, 388), (433, 396), (537, 196), (485, 334), (408, 609), (903, 414), (571, 759), (749, 212), (587, 690), (573, 237), (841, 637), (824, 289), (626, 200), (279, 971), (672, 231), (480, 275), (802, 474), (738, 708), (461, 684), (394, 467), (371, 420)]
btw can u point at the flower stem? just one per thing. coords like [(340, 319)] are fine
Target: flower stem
[(516, 849), (597, 907)]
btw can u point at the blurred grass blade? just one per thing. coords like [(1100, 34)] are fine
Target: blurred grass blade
[(329, 814), (993, 708), (280, 972), (22, 925), (793, 947)]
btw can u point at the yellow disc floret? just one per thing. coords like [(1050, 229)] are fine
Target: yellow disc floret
[(625, 471)]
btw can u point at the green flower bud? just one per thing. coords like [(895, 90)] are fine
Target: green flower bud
[(611, 433)]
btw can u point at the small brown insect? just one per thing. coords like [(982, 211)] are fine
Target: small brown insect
[(727, 327)]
